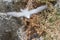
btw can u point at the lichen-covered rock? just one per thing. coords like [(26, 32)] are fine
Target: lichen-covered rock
[(40, 26), (8, 28)]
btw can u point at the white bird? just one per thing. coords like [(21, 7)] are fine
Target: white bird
[(7, 0), (27, 13)]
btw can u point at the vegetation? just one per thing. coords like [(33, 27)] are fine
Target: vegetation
[(45, 24)]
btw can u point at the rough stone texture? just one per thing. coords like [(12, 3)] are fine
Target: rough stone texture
[(8, 28), (12, 29)]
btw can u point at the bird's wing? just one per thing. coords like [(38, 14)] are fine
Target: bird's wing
[(38, 9), (2, 13), (15, 14), (27, 13)]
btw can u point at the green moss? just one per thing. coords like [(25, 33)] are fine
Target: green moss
[(51, 20), (58, 13)]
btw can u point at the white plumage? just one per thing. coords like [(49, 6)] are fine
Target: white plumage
[(7, 0), (27, 13)]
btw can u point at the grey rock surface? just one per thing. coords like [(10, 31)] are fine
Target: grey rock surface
[(8, 28)]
